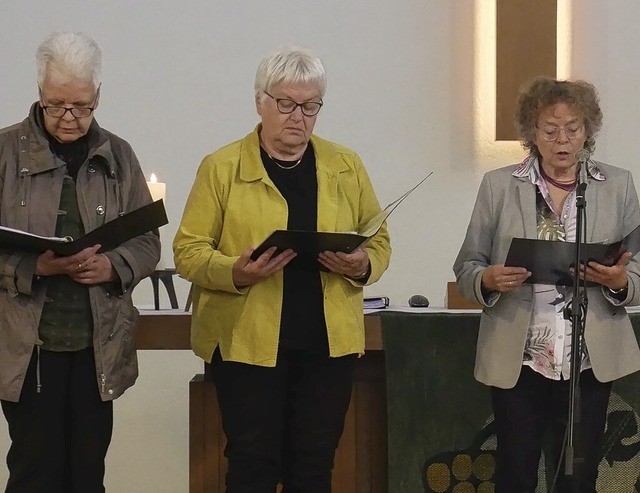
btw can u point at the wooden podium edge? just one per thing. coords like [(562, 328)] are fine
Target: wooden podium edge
[(455, 300)]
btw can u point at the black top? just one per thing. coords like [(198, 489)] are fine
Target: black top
[(74, 154), (302, 325)]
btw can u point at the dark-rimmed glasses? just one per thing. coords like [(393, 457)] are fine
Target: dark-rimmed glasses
[(287, 106), (60, 111), (550, 133)]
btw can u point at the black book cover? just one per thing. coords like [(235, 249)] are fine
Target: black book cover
[(311, 243), (549, 261), (109, 235)]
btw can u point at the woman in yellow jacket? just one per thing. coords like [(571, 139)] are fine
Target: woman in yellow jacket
[(281, 333)]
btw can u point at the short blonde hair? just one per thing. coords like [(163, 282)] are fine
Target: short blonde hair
[(290, 65)]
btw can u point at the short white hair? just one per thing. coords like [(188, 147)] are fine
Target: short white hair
[(67, 55), (290, 65)]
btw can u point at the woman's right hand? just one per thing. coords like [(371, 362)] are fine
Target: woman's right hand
[(247, 272), (500, 278)]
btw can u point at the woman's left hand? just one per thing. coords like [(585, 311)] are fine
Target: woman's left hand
[(614, 277), (96, 270), (354, 264)]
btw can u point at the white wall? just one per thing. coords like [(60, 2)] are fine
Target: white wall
[(178, 78)]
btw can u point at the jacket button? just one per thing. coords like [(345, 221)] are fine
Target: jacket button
[(110, 391), (92, 169), (100, 210)]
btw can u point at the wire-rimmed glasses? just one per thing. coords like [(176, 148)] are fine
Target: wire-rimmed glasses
[(550, 133)]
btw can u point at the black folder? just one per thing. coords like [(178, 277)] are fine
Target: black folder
[(310, 244), (109, 235), (549, 261)]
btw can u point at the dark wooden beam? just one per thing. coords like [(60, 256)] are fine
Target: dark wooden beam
[(525, 47)]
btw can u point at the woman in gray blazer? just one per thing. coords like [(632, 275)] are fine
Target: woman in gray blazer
[(524, 341)]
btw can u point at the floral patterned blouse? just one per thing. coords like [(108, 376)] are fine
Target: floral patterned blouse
[(548, 346)]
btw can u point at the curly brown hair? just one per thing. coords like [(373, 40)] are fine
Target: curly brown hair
[(541, 92)]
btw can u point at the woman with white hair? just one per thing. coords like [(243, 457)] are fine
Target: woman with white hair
[(67, 323), (280, 334)]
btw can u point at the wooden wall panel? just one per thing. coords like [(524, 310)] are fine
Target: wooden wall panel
[(361, 458), (525, 47)]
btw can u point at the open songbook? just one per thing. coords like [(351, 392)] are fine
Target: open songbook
[(549, 261), (311, 243), (109, 235)]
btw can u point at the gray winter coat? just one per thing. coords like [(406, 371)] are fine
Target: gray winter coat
[(109, 183)]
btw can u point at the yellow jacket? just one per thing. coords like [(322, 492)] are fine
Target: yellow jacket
[(233, 204)]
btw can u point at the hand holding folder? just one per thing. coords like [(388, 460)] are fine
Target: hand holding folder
[(109, 235), (312, 243), (549, 261)]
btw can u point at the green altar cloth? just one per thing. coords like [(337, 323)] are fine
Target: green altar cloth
[(440, 436)]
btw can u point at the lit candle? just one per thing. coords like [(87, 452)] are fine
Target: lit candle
[(159, 191)]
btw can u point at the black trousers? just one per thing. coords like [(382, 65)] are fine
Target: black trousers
[(59, 436), (283, 424), (538, 405)]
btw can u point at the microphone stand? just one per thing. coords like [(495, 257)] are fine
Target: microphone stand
[(578, 312)]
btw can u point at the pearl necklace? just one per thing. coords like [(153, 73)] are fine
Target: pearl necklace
[(283, 167)]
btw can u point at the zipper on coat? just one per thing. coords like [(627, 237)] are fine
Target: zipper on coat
[(97, 351), (118, 193), (24, 149), (23, 186), (38, 381)]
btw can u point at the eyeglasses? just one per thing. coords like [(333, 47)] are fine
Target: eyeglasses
[(287, 106), (550, 133), (60, 111)]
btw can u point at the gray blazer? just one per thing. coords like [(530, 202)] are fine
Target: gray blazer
[(506, 208)]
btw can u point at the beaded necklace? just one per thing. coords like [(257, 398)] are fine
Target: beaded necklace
[(566, 186)]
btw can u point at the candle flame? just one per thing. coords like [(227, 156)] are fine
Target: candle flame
[(154, 178)]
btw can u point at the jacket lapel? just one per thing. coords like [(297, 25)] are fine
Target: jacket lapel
[(527, 200), (328, 169), (591, 197)]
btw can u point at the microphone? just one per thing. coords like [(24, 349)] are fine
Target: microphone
[(582, 156)]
